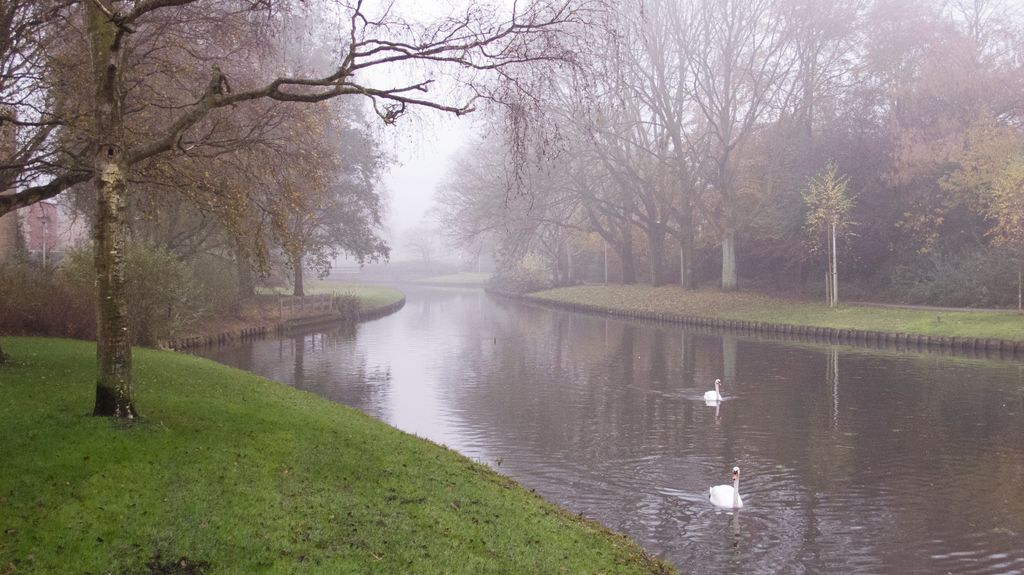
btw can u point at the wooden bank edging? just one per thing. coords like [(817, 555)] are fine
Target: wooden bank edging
[(858, 337), (283, 327)]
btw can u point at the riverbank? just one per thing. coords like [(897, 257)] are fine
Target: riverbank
[(263, 315), (1001, 331), (230, 473), (461, 279)]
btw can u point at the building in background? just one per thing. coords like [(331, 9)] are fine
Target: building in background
[(8, 236), (9, 222), (48, 230), (40, 224)]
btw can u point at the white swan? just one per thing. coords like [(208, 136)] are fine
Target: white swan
[(714, 395), (727, 496)]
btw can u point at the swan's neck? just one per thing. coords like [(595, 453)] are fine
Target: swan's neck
[(736, 492), (718, 393)]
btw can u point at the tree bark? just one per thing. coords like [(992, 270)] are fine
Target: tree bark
[(729, 224), (656, 243), (628, 261), (686, 247), (297, 287), (246, 282), (113, 341), (729, 259)]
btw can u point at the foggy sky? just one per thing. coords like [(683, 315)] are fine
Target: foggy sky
[(423, 149)]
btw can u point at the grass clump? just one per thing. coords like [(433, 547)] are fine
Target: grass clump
[(231, 473), (763, 308)]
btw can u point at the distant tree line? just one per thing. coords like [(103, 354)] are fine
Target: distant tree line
[(692, 142)]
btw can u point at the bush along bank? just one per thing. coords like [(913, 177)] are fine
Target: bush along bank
[(227, 472), (955, 332)]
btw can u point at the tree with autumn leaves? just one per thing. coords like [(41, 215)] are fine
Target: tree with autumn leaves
[(202, 53)]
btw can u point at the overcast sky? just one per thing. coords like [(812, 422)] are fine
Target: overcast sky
[(423, 148), (423, 142)]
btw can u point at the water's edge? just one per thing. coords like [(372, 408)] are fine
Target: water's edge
[(974, 347)]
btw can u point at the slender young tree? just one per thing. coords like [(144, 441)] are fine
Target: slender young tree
[(828, 206)]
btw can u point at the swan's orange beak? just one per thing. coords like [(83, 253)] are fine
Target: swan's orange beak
[(735, 475)]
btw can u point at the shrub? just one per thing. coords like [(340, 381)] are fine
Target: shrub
[(524, 276), (216, 282), (163, 296), (42, 301), (975, 278), (348, 306)]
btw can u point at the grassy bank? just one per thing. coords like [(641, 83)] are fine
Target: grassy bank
[(370, 297), (231, 473), (762, 308), (459, 279)]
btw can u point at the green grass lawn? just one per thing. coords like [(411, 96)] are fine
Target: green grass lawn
[(237, 474), (370, 297), (763, 308)]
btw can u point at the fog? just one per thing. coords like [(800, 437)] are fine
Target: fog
[(422, 153)]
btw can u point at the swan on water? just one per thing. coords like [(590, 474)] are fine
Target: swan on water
[(714, 395), (727, 496)]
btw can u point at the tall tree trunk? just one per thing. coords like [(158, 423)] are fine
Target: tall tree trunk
[(246, 282), (626, 255), (297, 287), (113, 340), (728, 221), (628, 263), (656, 244), (686, 248), (729, 259), (835, 271)]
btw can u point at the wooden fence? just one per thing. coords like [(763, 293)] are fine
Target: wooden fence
[(298, 306)]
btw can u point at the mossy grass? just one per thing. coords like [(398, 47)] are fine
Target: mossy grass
[(763, 308), (227, 472)]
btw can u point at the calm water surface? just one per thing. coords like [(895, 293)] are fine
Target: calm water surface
[(852, 460)]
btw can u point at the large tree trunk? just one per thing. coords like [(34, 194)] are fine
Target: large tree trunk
[(729, 227), (656, 245), (686, 256), (297, 286), (113, 340), (686, 248), (729, 260), (246, 282), (626, 255)]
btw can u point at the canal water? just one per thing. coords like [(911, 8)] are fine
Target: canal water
[(852, 460)]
